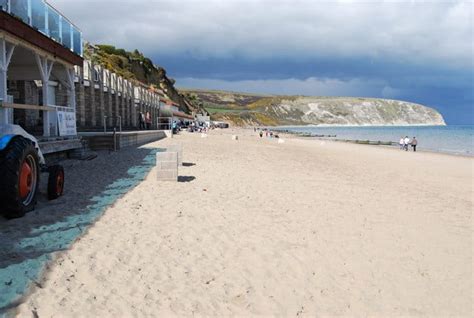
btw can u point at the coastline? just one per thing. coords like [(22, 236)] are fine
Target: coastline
[(392, 147), (377, 139), (365, 125), (258, 227)]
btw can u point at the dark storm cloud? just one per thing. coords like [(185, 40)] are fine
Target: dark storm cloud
[(420, 51), (406, 30)]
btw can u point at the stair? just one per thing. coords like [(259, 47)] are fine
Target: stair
[(101, 142)]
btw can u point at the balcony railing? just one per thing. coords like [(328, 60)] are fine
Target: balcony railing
[(43, 17)]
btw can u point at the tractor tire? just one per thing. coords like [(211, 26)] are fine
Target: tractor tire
[(19, 178), (55, 182)]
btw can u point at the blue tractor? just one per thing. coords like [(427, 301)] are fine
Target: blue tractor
[(21, 164)]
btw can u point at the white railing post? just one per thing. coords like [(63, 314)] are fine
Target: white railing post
[(71, 89), (45, 67), (30, 19), (171, 120), (6, 53), (46, 21)]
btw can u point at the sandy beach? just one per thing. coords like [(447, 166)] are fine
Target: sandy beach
[(257, 227)]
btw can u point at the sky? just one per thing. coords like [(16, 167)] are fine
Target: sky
[(411, 50)]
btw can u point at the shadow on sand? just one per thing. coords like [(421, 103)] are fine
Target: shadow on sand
[(186, 179), (91, 187)]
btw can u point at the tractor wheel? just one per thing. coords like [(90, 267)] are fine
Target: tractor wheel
[(55, 182), (19, 178)]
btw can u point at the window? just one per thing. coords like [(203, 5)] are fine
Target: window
[(66, 33), (38, 15), (77, 41), (53, 25), (19, 8)]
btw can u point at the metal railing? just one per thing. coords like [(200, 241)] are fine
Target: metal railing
[(105, 122), (43, 17), (164, 123)]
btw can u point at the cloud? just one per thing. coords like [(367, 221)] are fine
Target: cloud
[(414, 50), (390, 92), (408, 31)]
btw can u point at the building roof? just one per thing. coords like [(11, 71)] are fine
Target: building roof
[(168, 101), (182, 115)]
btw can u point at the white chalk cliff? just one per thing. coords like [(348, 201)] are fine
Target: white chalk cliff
[(353, 111)]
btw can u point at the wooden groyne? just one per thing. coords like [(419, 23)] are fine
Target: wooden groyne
[(369, 142), (302, 134), (334, 138)]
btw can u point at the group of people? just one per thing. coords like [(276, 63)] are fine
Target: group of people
[(200, 127), (144, 121), (268, 133), (406, 142)]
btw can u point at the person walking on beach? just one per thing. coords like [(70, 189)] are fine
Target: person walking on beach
[(406, 142), (148, 120), (261, 134), (174, 128), (402, 143), (141, 121), (414, 143)]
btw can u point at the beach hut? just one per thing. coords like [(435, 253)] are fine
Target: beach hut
[(39, 52)]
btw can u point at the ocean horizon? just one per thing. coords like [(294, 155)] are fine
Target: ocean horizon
[(450, 139)]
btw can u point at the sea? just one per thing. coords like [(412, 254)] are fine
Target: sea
[(451, 139)]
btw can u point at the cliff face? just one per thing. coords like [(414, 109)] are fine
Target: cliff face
[(134, 65), (245, 109), (353, 111)]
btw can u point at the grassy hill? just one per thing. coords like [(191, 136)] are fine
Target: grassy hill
[(135, 66), (255, 109)]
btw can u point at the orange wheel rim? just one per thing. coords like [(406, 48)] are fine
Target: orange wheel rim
[(26, 180), (59, 184)]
